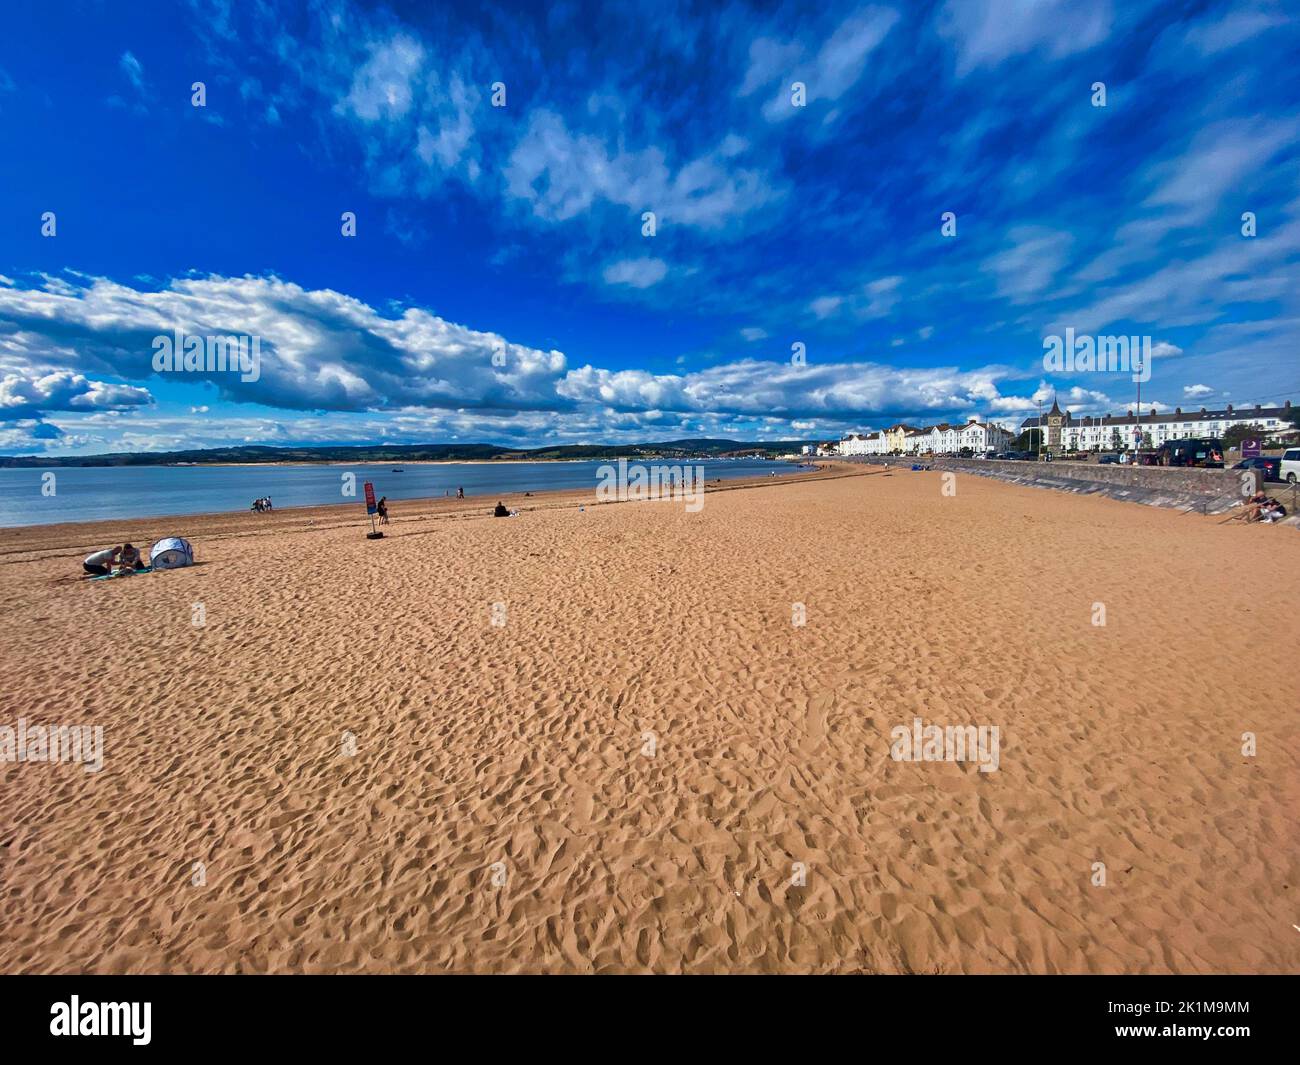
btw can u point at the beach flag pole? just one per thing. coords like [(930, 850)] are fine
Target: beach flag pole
[(371, 508)]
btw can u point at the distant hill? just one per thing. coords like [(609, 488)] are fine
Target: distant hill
[(668, 449)]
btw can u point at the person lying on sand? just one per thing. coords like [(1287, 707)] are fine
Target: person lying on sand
[(101, 562)]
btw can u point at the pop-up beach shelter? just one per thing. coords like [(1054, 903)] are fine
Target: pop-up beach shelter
[(171, 552)]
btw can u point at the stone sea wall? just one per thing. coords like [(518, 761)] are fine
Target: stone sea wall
[(1209, 491)]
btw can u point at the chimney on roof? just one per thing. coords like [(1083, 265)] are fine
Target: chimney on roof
[(1178, 410), (1202, 410), (1286, 405), (1130, 413), (1229, 408), (1258, 407)]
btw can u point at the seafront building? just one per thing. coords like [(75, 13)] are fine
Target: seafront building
[(943, 439), (1062, 431)]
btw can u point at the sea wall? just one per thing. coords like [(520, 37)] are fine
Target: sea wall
[(1209, 491)]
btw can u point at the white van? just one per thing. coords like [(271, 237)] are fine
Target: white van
[(1289, 470)]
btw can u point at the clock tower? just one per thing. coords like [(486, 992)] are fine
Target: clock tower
[(1052, 434)]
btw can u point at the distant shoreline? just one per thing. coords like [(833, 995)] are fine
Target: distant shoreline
[(684, 450), (403, 462), (420, 491), (198, 524)]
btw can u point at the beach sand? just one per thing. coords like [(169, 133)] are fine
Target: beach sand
[(503, 812)]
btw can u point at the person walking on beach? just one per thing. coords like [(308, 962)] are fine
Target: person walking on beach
[(460, 493), (382, 508)]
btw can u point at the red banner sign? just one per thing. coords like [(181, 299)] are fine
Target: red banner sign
[(370, 498)]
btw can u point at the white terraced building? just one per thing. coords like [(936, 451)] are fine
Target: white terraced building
[(1066, 432), (943, 439), (862, 444)]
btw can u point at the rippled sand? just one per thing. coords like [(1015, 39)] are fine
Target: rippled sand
[(634, 769)]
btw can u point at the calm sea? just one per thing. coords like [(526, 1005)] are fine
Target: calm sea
[(96, 493)]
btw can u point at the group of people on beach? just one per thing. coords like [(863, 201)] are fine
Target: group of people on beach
[(122, 559), (262, 506), (1261, 507)]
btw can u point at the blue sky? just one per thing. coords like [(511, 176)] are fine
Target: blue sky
[(780, 219)]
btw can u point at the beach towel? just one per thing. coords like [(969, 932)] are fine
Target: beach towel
[(123, 573)]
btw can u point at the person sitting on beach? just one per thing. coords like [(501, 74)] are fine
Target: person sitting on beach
[(500, 511), (1259, 505), (101, 563), (1272, 511), (130, 559), (1250, 508)]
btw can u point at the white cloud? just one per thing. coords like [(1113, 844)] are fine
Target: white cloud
[(1215, 162), (1210, 36), (130, 66), (825, 306), (835, 68), (875, 299), (564, 174), (384, 85), (24, 395), (1028, 266), (768, 61), (985, 32), (319, 348), (637, 273), (754, 388)]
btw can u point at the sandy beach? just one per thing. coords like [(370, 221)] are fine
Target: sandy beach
[(595, 741)]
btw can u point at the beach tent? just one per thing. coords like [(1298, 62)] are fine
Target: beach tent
[(171, 553)]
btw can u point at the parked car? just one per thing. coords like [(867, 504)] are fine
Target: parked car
[(1270, 464), (1289, 469), (1108, 460), (1205, 451)]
